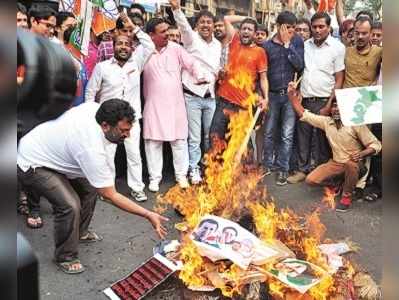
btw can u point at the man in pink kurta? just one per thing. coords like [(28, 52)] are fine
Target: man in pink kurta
[(165, 116)]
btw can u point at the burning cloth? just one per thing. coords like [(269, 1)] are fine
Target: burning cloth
[(218, 239)]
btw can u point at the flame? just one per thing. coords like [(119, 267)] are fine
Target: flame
[(329, 198), (232, 190)]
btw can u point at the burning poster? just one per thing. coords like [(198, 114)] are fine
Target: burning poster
[(297, 274), (218, 238)]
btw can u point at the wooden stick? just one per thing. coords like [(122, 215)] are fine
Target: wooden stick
[(244, 143), (297, 81)]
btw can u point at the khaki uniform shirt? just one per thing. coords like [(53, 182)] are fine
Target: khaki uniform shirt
[(361, 68), (344, 141)]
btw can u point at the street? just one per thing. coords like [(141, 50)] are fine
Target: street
[(128, 241)]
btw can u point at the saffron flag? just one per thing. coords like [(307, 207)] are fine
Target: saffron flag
[(359, 106), (102, 23), (326, 5), (80, 37)]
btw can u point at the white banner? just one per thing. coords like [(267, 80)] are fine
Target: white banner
[(359, 106)]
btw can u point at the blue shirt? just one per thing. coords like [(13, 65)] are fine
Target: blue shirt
[(284, 63)]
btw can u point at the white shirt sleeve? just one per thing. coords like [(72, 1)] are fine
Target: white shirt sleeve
[(187, 33), (145, 50), (308, 13), (93, 163), (339, 62), (94, 84)]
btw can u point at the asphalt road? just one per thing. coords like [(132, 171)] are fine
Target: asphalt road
[(128, 241)]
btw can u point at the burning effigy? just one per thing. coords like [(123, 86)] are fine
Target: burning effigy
[(233, 234)]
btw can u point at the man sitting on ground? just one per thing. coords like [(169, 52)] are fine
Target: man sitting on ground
[(349, 144)]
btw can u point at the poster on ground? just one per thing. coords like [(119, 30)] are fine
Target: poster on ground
[(218, 238)]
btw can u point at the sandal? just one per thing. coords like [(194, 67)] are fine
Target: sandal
[(90, 237), (371, 197), (37, 221), (22, 207), (66, 266)]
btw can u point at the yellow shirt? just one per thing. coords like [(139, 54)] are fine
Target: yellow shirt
[(361, 68), (346, 140)]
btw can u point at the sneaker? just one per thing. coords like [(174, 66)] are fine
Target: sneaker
[(183, 183), (281, 178), (195, 176), (343, 207), (297, 177), (345, 204), (139, 196), (153, 186)]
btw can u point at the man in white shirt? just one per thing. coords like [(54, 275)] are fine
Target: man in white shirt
[(119, 77), (200, 99), (324, 72), (66, 161)]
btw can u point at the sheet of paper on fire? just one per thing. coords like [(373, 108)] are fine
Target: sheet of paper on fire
[(142, 280), (359, 106), (297, 274), (218, 238)]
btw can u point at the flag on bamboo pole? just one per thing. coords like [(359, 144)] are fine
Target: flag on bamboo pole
[(361, 105)]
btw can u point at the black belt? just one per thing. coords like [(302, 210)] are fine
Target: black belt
[(188, 92), (280, 92), (316, 98)]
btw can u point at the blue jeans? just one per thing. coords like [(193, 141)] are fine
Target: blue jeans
[(199, 114), (280, 109)]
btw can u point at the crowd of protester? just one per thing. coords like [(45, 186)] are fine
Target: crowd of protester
[(178, 76)]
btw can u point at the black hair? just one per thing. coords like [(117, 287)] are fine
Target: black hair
[(204, 13), (153, 23), (209, 221), (134, 18), (377, 25), (321, 15), (114, 110), (41, 11), (68, 33), (263, 28), (219, 18), (250, 21), (21, 8), (367, 13), (304, 21), (230, 227), (62, 16), (119, 23), (138, 6), (363, 19), (286, 17)]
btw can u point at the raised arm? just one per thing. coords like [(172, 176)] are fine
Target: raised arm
[(187, 33), (295, 98), (228, 23), (339, 11), (145, 49)]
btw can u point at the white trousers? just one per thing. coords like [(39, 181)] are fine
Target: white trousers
[(133, 157), (154, 154)]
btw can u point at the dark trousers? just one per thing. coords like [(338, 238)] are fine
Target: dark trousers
[(376, 162), (73, 202), (308, 135), (221, 120)]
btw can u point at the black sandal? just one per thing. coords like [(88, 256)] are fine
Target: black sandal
[(371, 197), (37, 218)]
